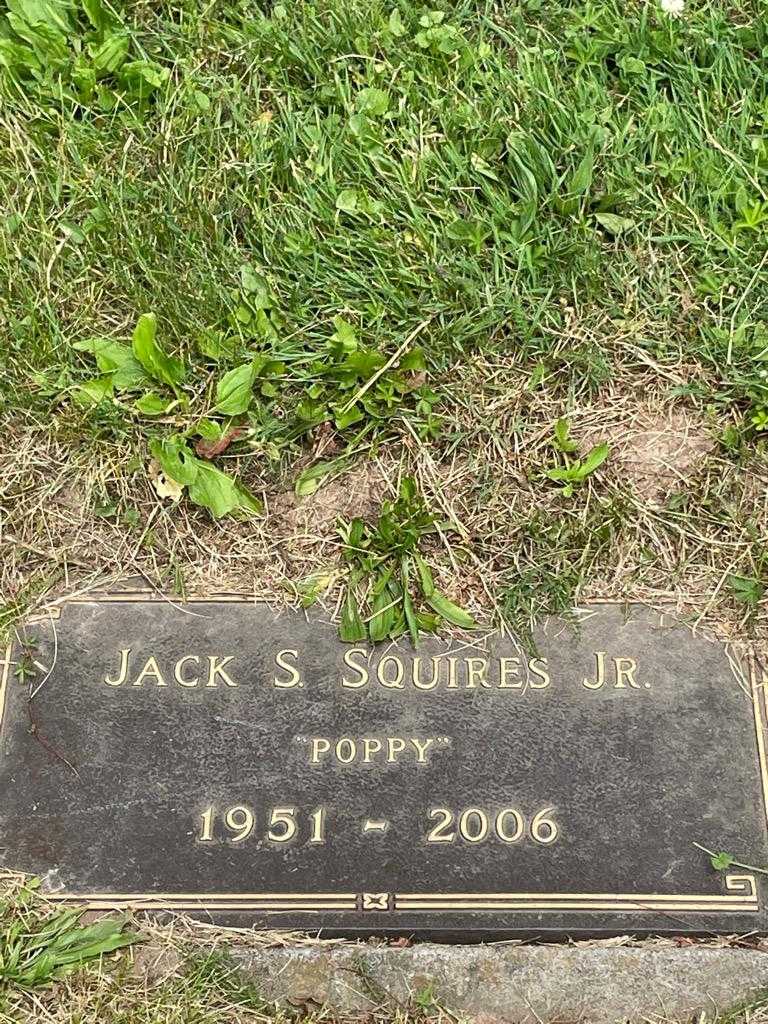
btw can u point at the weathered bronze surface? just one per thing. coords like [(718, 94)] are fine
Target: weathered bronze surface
[(245, 766)]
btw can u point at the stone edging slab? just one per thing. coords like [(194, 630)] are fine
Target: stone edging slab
[(513, 984)]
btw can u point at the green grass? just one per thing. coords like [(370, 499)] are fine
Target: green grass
[(39, 946), (553, 201)]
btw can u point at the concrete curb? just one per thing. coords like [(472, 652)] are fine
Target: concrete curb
[(513, 984)]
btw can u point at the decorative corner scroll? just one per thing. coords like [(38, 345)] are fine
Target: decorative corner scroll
[(742, 883)]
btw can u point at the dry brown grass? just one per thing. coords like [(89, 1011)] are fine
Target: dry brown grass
[(52, 539), (667, 519)]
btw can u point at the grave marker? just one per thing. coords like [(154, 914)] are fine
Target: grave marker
[(245, 766)]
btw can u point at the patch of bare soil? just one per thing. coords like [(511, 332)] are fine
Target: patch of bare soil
[(654, 451), (358, 492)]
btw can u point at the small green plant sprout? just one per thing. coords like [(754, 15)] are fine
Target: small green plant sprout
[(350, 383), (574, 471), (425, 999), (757, 384), (205, 484), (563, 439), (748, 590), (437, 36), (359, 393), (721, 861), (752, 213), (755, 380), (26, 664), (311, 587), (38, 946), (390, 589)]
